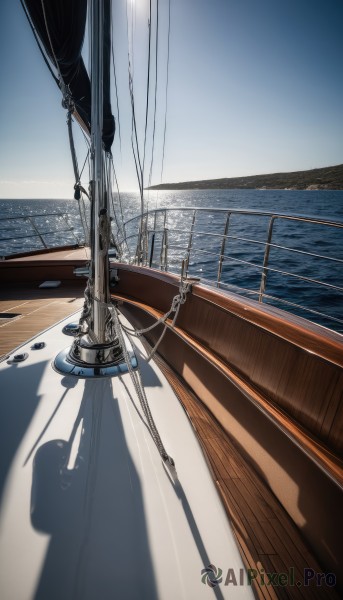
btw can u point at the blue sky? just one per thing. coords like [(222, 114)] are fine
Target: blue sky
[(254, 87)]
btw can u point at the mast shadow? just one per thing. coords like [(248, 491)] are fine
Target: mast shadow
[(18, 403), (87, 496)]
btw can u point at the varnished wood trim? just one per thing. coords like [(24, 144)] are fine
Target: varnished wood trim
[(306, 384), (325, 459), (41, 251), (309, 495), (265, 534), (310, 337)]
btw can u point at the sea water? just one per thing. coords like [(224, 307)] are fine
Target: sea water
[(290, 275)]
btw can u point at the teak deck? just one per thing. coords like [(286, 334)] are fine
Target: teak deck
[(269, 541), (37, 308)]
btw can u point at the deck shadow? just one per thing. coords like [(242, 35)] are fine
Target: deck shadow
[(90, 502)]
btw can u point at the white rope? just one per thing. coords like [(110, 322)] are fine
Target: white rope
[(177, 301), (114, 323), (140, 391), (135, 374)]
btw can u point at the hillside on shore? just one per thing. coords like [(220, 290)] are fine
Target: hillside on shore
[(328, 178)]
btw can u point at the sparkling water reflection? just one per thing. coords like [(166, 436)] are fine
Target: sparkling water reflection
[(242, 259)]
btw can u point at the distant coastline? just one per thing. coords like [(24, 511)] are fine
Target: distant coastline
[(328, 178)]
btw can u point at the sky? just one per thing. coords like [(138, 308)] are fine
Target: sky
[(255, 86)]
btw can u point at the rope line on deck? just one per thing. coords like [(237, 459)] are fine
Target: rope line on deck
[(140, 391), (177, 301)]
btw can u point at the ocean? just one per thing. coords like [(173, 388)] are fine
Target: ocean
[(291, 274)]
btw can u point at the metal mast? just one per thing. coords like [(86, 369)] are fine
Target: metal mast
[(96, 350), (99, 267)]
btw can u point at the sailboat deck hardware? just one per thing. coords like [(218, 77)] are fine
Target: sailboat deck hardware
[(17, 358), (63, 364), (114, 277), (50, 284), (81, 271), (71, 329), (38, 346)]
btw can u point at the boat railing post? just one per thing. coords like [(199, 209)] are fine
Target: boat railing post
[(190, 242), (138, 247), (266, 260), (146, 239), (163, 242), (222, 249), (164, 251), (141, 250), (153, 241), (152, 248), (165, 220)]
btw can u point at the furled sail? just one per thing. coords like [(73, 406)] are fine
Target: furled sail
[(60, 26)]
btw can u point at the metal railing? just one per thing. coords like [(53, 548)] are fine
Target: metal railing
[(273, 257), (290, 261), (31, 228)]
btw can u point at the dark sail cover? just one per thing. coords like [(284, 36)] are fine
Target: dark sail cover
[(61, 27)]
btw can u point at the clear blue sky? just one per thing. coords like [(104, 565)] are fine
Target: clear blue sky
[(255, 86)]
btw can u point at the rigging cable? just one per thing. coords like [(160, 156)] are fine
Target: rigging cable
[(167, 84), (78, 189), (84, 164), (121, 226), (155, 103), (115, 83), (72, 149), (147, 87), (86, 161), (134, 135), (135, 146), (107, 164)]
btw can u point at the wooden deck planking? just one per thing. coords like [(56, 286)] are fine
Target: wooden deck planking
[(267, 537), (52, 254), (37, 310)]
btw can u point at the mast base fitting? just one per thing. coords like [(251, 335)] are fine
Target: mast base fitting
[(89, 360)]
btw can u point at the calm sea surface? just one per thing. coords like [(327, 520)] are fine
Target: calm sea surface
[(243, 258)]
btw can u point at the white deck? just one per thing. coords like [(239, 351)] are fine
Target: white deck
[(88, 510)]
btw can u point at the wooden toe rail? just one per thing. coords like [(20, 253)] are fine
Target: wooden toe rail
[(274, 387)]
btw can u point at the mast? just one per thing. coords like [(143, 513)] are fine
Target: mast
[(99, 266), (96, 350)]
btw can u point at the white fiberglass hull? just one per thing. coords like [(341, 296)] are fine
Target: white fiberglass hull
[(88, 509)]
